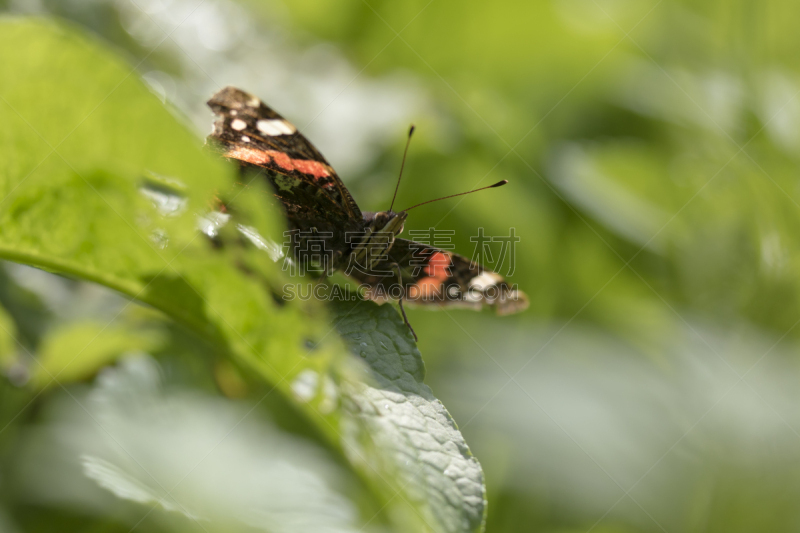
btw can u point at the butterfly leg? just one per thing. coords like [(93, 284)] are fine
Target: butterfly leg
[(400, 301)]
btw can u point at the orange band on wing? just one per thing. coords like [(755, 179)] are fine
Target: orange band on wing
[(437, 270), (439, 266), (262, 157)]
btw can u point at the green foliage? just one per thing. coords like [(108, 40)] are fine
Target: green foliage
[(651, 149), (395, 419), (75, 160)]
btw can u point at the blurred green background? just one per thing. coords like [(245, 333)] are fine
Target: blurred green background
[(652, 149)]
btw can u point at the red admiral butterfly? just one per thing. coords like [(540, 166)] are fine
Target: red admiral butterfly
[(319, 208)]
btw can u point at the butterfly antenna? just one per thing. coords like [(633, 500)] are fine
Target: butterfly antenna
[(498, 184), (403, 164)]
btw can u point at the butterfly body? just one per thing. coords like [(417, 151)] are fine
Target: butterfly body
[(320, 209)]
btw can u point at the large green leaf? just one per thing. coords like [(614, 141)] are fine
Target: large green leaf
[(393, 419), (81, 137)]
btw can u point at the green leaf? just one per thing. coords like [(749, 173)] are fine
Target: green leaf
[(393, 420)]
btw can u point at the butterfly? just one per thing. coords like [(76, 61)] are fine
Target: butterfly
[(326, 222)]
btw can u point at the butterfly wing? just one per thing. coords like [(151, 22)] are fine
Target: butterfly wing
[(431, 276), (248, 131)]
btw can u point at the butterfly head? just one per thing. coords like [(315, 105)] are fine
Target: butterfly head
[(385, 222)]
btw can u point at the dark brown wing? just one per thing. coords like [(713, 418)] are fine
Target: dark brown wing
[(250, 132), (437, 277)]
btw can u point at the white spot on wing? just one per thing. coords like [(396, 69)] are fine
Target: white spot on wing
[(245, 139), (484, 280), (254, 102), (238, 124), (275, 127)]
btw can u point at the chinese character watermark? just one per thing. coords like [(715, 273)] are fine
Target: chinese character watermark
[(425, 264)]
